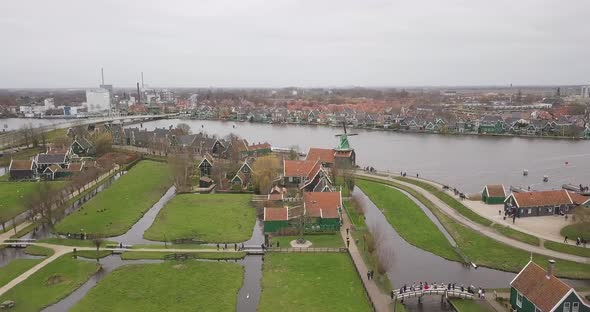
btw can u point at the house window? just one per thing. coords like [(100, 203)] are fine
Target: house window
[(519, 300), (550, 210), (566, 307), (575, 306), (530, 211)]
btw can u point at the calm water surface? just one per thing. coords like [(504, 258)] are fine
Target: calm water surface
[(466, 162)]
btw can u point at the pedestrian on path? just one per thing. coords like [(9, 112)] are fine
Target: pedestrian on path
[(217, 247), (277, 244), (565, 240), (347, 229), (368, 275), (347, 242), (393, 295)]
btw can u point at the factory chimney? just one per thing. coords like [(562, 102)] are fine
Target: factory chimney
[(138, 94), (102, 75)]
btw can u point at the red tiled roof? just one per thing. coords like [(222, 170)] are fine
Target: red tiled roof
[(533, 283), (323, 154), (343, 153), (298, 168), (578, 199), (496, 190), (17, 164), (75, 167), (275, 197), (322, 204), (276, 214), (544, 198)]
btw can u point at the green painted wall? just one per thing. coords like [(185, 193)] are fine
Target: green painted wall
[(527, 306), (571, 299), (274, 226)]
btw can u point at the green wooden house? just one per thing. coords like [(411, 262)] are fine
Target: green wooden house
[(275, 219), (82, 147), (493, 194), (324, 209), (535, 289)]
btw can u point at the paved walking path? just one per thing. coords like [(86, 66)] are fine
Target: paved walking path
[(381, 301), (487, 231), (544, 227)]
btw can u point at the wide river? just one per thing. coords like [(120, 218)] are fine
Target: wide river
[(465, 162)]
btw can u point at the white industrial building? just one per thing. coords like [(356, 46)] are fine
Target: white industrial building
[(98, 100), (586, 91)]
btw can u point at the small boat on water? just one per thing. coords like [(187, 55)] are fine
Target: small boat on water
[(576, 189), (545, 178), (525, 172)]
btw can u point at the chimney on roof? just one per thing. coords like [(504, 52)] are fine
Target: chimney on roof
[(551, 268)]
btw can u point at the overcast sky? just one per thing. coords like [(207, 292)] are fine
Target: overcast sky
[(274, 43)]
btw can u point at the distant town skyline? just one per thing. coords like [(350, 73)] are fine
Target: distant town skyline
[(261, 44)]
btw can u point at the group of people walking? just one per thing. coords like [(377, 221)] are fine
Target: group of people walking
[(579, 241), (421, 286)]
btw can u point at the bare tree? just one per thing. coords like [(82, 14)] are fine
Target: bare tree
[(183, 128), (97, 241)]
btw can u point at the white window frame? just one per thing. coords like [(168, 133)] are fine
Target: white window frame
[(518, 299), (575, 306), (530, 210), (566, 307), (550, 210)]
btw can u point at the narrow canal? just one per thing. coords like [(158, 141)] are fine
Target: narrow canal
[(135, 235), (411, 264)]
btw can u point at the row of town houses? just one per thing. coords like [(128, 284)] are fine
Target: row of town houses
[(414, 121)]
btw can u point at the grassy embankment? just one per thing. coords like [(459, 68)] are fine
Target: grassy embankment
[(570, 249), (473, 216), (113, 211), (50, 284), (576, 230), (490, 253), (38, 251), (220, 218), (158, 255), (360, 230), (311, 282), (468, 305), (14, 197), (73, 242), (15, 268), (168, 286), (408, 220)]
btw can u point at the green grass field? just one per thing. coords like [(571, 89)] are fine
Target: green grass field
[(318, 241), (135, 255), (449, 200), (168, 286), (466, 305), (38, 251), (27, 153), (408, 220), (515, 234), (92, 254), (311, 282), (575, 230), (570, 249), (72, 242), (490, 253), (14, 195), (113, 211), (220, 218), (50, 284), (15, 268)]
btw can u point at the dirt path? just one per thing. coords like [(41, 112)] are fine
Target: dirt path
[(487, 231), (381, 301)]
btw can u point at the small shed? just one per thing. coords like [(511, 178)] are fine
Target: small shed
[(205, 182), (493, 194), (275, 219)]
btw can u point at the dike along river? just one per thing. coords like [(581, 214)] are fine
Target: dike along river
[(465, 162)]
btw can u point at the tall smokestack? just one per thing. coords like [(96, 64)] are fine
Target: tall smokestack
[(142, 85), (551, 268), (138, 94), (102, 75)]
